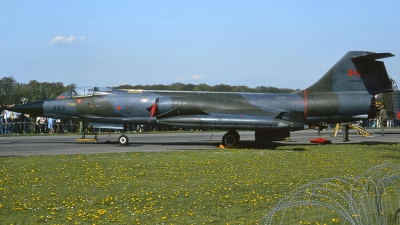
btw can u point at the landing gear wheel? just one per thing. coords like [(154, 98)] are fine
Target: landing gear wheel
[(235, 134), (123, 140), (231, 138)]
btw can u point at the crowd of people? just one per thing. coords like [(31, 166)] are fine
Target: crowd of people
[(18, 123)]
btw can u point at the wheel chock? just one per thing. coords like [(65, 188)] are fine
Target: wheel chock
[(229, 147)]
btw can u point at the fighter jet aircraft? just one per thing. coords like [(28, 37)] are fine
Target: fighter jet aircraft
[(345, 93)]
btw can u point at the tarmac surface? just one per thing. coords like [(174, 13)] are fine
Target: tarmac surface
[(56, 144)]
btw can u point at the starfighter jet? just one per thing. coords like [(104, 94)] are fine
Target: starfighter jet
[(345, 93)]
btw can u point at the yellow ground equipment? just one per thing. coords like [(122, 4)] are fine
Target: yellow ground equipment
[(360, 130)]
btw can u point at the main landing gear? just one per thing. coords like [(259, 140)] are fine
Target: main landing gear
[(231, 138)]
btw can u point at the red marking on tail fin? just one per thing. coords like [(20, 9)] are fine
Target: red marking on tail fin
[(353, 73)]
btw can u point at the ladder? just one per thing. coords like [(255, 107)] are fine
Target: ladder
[(361, 130)]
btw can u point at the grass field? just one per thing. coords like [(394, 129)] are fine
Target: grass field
[(237, 186)]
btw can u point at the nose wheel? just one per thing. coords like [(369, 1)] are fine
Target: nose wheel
[(123, 140)]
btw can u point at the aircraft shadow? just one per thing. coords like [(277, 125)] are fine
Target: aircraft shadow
[(248, 144)]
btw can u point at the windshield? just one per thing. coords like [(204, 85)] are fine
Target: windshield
[(84, 92)]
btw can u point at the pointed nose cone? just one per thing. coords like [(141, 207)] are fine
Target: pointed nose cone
[(33, 109)]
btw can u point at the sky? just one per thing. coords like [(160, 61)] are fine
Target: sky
[(284, 44)]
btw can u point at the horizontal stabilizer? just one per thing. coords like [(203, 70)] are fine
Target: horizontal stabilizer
[(373, 73), (375, 56)]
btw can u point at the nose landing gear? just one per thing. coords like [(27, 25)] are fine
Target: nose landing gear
[(123, 139)]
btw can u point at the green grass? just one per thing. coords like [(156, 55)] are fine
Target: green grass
[(184, 187)]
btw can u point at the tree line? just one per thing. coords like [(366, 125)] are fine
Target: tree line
[(12, 92), (205, 87)]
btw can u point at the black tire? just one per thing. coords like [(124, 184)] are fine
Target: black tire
[(235, 134), (123, 140), (230, 139)]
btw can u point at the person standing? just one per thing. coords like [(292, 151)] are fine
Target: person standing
[(383, 118), (32, 124), (345, 130), (50, 123), (2, 113), (7, 121)]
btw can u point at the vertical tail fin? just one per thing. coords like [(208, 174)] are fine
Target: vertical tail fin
[(356, 71)]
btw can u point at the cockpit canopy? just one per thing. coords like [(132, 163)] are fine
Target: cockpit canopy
[(84, 92)]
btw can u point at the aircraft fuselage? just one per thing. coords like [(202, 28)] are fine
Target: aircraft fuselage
[(211, 110)]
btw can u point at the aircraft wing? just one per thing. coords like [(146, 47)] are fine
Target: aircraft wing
[(221, 111)]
